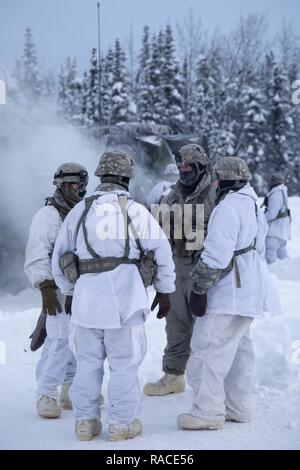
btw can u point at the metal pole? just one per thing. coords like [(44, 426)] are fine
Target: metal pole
[(99, 64)]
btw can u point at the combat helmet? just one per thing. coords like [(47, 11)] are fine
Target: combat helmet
[(115, 163), (192, 153), (277, 178), (70, 173), (232, 169)]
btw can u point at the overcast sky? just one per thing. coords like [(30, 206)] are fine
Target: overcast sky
[(69, 27)]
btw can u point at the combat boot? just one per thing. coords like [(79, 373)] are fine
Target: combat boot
[(120, 432), (169, 383), (86, 429), (188, 421), (48, 407), (64, 398)]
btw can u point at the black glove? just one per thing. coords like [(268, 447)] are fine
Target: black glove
[(164, 304), (198, 304), (68, 304), (51, 304)]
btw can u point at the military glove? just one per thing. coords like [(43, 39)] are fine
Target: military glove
[(198, 304), (68, 304), (163, 300), (51, 305)]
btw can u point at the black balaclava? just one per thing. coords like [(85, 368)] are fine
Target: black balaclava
[(190, 179), (122, 181), (229, 185)]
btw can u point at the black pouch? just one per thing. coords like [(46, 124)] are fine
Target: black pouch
[(39, 334), (148, 268), (68, 263)]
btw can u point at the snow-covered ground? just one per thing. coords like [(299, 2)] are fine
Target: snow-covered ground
[(276, 398)]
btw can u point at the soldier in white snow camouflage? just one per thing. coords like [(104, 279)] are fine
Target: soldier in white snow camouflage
[(110, 297), (193, 188), (228, 292)]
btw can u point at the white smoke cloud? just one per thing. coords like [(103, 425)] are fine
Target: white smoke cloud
[(33, 145)]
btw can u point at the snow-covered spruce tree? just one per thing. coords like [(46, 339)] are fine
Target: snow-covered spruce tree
[(213, 106), (153, 88), (69, 92), (28, 79), (225, 137), (107, 84), (281, 127), (18, 95), (49, 91), (189, 107), (144, 101), (252, 136), (84, 98), (92, 99), (172, 84), (123, 107), (204, 97), (190, 44)]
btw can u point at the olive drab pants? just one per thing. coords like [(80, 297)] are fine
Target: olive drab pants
[(180, 321)]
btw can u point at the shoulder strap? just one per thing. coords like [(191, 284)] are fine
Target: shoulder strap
[(285, 201), (122, 199), (88, 204), (50, 201)]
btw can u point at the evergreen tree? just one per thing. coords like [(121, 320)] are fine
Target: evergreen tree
[(31, 84), (92, 98), (144, 102), (188, 101), (280, 154), (252, 139), (69, 91), (49, 87), (155, 100), (123, 108), (84, 98), (107, 84), (172, 84)]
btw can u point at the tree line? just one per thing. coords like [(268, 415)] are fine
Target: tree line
[(236, 89)]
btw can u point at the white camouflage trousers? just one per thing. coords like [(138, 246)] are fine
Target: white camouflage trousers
[(275, 249), (220, 367), (57, 363), (125, 349)]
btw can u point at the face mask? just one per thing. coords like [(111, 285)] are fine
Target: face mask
[(72, 194), (81, 190), (188, 178)]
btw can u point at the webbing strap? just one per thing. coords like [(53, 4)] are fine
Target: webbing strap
[(88, 204), (100, 264), (128, 224), (285, 213), (63, 212)]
